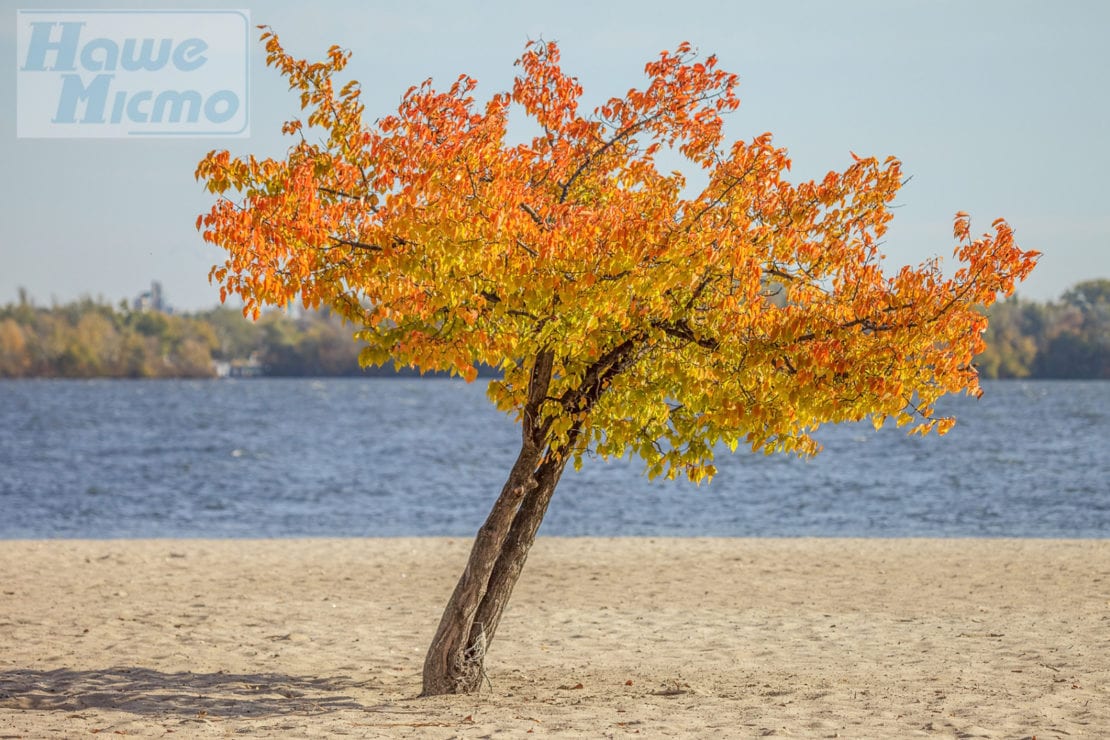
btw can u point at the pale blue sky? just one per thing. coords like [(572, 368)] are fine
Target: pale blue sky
[(997, 108)]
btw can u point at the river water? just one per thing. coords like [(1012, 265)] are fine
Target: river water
[(390, 457)]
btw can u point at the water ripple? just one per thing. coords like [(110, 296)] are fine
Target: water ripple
[(378, 457)]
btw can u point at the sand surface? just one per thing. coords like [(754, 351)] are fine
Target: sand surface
[(604, 637)]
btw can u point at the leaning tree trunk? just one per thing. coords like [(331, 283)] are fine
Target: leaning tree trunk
[(455, 660), (454, 663), (515, 549)]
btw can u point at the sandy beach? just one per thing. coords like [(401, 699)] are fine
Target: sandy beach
[(604, 637)]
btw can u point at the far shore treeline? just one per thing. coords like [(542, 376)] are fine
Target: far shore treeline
[(1067, 338)]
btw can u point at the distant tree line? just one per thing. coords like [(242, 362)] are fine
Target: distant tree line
[(92, 338), (1069, 338)]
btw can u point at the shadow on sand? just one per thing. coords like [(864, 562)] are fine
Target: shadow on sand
[(147, 692)]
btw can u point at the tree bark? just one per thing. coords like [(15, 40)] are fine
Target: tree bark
[(454, 664), (514, 552), (455, 661)]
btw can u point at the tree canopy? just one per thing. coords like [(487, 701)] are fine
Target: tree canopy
[(450, 247)]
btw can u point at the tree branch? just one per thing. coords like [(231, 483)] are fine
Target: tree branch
[(565, 187), (538, 383), (597, 376), (681, 330), (532, 212), (349, 196), (355, 244)]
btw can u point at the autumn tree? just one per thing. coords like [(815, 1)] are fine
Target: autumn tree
[(627, 312), (15, 361), (1079, 344), (1011, 339)]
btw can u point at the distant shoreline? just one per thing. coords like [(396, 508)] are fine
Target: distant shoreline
[(90, 338)]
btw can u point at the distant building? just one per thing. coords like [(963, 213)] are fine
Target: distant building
[(151, 300), (250, 368)]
